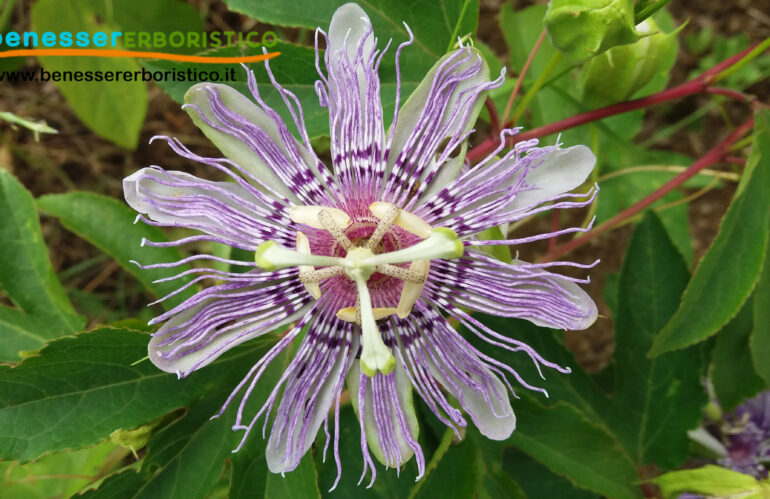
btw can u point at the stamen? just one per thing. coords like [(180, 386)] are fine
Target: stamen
[(407, 221), (353, 314), (321, 274), (375, 356), (330, 225), (382, 227), (402, 273), (412, 290), (272, 256), (310, 279), (442, 243), (308, 215)]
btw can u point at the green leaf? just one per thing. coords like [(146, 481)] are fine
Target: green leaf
[(553, 436), (521, 29), (117, 486), (249, 471), (79, 389), (498, 485), (646, 8), (251, 477), (760, 336), (55, 475), (455, 474), (22, 332), (156, 17), (198, 446), (733, 372), (572, 446), (114, 110), (665, 392), (109, 225), (194, 446), (538, 481), (710, 479), (492, 482), (728, 272), (299, 484), (27, 277)]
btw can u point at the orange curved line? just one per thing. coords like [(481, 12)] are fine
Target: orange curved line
[(134, 54)]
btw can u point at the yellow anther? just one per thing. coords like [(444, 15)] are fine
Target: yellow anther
[(407, 221), (330, 225), (308, 215), (352, 314), (412, 291)]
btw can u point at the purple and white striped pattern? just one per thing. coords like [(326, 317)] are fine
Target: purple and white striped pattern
[(418, 165)]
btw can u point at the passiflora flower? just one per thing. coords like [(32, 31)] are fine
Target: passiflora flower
[(369, 255)]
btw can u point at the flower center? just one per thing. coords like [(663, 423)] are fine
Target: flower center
[(360, 262)]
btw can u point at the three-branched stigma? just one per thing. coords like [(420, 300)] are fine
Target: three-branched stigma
[(361, 255)]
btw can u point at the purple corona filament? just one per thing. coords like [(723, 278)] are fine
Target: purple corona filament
[(369, 256)]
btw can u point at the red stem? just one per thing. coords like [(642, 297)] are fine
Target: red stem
[(727, 92), (711, 157), (493, 118), (701, 84), (735, 160), (554, 228), (691, 87)]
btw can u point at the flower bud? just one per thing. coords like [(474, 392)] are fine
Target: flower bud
[(581, 29), (619, 72)]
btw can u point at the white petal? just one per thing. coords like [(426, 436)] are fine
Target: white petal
[(351, 22), (582, 302), (489, 423), (448, 172), (560, 171), (234, 148), (192, 361), (323, 403), (404, 392), (408, 125), (144, 186), (519, 290)]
